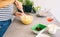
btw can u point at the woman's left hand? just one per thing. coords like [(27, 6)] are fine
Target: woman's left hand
[(18, 14)]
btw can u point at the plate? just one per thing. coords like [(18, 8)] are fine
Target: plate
[(38, 28), (42, 35)]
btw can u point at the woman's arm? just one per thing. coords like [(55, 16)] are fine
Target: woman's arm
[(6, 2), (20, 7)]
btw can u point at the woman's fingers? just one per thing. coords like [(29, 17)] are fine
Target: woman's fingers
[(16, 3), (18, 14)]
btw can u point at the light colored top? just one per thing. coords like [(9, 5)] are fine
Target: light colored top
[(6, 12)]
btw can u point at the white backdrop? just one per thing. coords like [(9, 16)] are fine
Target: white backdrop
[(54, 5)]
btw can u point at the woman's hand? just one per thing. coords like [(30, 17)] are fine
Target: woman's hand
[(18, 14), (19, 5)]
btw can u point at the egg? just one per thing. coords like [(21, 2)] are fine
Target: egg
[(26, 19)]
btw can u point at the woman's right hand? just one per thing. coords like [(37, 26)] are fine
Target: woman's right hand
[(19, 5)]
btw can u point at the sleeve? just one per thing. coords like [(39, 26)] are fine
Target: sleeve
[(6, 2)]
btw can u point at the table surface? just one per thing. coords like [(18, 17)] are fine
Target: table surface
[(17, 29)]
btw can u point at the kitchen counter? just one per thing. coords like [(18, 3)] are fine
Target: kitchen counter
[(17, 29)]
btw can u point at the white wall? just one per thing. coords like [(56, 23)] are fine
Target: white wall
[(54, 5)]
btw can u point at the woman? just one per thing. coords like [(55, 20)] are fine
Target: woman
[(6, 11)]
